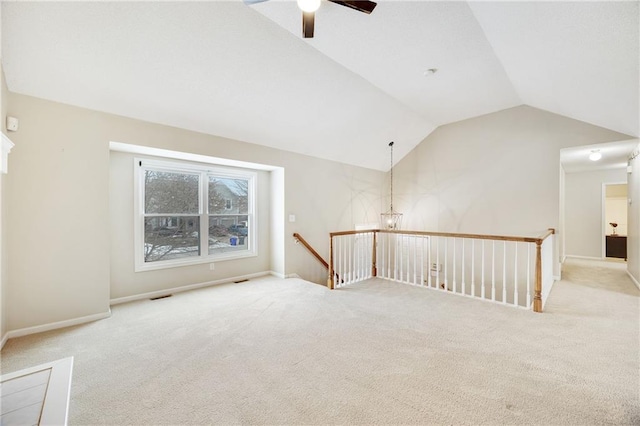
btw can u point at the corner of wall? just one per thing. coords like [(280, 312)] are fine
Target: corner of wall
[(4, 107), (633, 225)]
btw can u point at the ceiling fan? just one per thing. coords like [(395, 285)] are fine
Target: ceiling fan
[(309, 8)]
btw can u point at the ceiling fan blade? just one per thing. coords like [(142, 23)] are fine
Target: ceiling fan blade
[(308, 19), (359, 5)]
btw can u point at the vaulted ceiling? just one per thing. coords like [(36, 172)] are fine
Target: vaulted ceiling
[(244, 72)]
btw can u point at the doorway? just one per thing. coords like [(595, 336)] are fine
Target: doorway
[(614, 203)]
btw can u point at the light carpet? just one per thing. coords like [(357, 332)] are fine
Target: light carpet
[(272, 351)]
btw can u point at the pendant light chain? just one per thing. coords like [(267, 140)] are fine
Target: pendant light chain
[(391, 219)]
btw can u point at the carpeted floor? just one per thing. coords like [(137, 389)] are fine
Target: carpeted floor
[(274, 351)]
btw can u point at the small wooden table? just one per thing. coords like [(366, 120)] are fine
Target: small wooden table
[(617, 246)]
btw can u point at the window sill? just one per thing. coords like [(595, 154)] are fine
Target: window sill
[(153, 266)]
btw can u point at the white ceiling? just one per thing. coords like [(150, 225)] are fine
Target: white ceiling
[(244, 72)]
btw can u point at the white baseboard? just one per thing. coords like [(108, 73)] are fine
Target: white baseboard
[(56, 325), (277, 274), (574, 256), (292, 276), (635, 281), (4, 340), (165, 292)]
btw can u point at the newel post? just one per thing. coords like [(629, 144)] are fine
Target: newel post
[(537, 292), (330, 278)]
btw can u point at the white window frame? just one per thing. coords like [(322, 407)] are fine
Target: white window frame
[(142, 164)]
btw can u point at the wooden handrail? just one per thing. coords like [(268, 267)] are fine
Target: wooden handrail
[(544, 236), (537, 297), (450, 234), (315, 254)]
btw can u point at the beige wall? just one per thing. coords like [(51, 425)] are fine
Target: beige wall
[(60, 244), (494, 174), (583, 210), (125, 282), (633, 229)]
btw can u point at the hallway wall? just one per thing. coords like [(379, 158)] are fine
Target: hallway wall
[(633, 234), (583, 210)]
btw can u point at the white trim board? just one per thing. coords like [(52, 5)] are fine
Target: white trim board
[(158, 293), (4, 340), (5, 148), (55, 405), (56, 325), (179, 155)]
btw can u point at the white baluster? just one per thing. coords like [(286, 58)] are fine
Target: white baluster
[(429, 242), (422, 260), (529, 275), (504, 272), (493, 271), (389, 256), (342, 266), (438, 263), (473, 268), (464, 290), (351, 263), (358, 248), (337, 263), (369, 254), (455, 287), (515, 276), (446, 263), (482, 290), (401, 259), (415, 259)]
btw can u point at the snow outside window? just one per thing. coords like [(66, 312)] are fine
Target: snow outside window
[(189, 213)]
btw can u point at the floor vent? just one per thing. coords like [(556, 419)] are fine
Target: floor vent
[(161, 297), (241, 281)]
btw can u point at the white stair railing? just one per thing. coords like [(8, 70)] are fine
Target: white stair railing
[(516, 271), (352, 257)]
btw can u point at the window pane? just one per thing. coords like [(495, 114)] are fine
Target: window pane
[(228, 196), (228, 233), (171, 237), (170, 192)]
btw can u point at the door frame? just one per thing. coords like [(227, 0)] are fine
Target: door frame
[(603, 214)]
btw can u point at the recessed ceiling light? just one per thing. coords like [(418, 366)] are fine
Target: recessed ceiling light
[(430, 71), (595, 155)]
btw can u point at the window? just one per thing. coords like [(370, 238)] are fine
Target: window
[(189, 213)]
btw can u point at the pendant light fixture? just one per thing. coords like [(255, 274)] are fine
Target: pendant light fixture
[(391, 219)]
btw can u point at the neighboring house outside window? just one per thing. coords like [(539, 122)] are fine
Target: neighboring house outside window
[(189, 213)]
